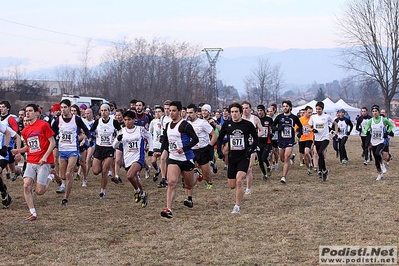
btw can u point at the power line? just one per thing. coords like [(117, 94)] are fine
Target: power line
[(53, 31), (36, 39)]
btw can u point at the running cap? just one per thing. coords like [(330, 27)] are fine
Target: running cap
[(206, 107)]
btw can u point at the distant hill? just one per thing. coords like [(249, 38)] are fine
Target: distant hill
[(300, 67)]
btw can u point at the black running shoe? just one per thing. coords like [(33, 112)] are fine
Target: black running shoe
[(14, 177), (64, 202), (163, 183), (137, 197), (214, 167), (115, 180), (144, 200), (155, 177), (188, 202), (167, 213), (320, 174), (325, 175), (6, 199)]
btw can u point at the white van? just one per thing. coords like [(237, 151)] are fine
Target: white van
[(93, 102)]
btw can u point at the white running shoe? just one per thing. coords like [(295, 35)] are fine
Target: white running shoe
[(84, 183), (282, 180), (292, 158), (248, 191), (147, 172), (236, 209), (380, 176), (383, 168)]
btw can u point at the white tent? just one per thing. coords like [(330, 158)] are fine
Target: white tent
[(312, 104), (329, 107), (352, 111)]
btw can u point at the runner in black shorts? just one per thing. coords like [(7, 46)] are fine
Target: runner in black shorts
[(105, 129), (238, 132), (180, 138)]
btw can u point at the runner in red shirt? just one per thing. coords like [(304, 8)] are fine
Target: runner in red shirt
[(39, 139)]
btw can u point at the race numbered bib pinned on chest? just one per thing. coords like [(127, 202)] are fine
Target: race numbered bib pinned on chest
[(173, 145), (66, 137), (105, 138), (287, 132), (133, 145), (34, 144), (237, 142)]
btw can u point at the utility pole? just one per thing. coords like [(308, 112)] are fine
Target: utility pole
[(214, 94)]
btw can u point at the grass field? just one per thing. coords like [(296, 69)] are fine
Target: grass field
[(278, 225)]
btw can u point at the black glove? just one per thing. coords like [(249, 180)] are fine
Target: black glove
[(119, 138), (3, 151), (348, 133), (249, 152), (299, 135), (315, 130), (385, 135), (150, 153), (220, 155), (391, 134)]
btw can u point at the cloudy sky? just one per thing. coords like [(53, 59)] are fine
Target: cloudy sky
[(42, 33)]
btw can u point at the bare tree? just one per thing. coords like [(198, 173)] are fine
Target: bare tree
[(369, 29), (264, 82), (370, 93), (85, 67), (66, 78)]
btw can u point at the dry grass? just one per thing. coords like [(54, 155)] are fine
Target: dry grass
[(279, 224)]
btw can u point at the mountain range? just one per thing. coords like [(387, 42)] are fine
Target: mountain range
[(300, 67)]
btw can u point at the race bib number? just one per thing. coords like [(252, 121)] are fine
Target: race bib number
[(157, 136), (66, 137), (173, 145), (266, 130), (105, 139), (34, 144), (286, 133), (319, 126), (376, 134), (133, 145), (237, 143), (250, 140), (342, 131), (305, 130)]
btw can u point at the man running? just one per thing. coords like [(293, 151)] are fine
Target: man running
[(265, 142), (180, 137), (201, 150), (285, 124), (105, 128), (67, 128), (132, 138), (238, 132), (343, 128), (319, 124), (39, 139), (306, 140), (379, 127)]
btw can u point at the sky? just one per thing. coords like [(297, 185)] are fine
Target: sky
[(38, 34)]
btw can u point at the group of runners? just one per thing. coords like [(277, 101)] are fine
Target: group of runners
[(180, 142)]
